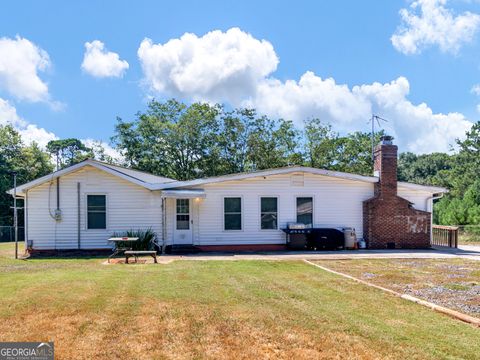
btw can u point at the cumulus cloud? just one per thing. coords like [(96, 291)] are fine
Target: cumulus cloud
[(101, 63), (29, 132), (235, 67), (428, 23), (416, 127), (223, 66), (32, 133), (20, 62)]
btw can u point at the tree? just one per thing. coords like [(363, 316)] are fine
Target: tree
[(462, 205), (426, 169), (172, 139), (467, 162), (273, 144), (321, 144), (98, 152), (355, 153), (67, 152), (235, 128)]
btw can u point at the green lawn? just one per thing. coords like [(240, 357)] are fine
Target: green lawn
[(216, 309)]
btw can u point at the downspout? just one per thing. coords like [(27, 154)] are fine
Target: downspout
[(430, 200), (58, 193), (164, 230), (25, 214), (78, 216)]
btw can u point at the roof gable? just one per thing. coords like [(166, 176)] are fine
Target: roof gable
[(137, 177)]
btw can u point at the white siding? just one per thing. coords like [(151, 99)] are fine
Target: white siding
[(337, 203), (129, 206), (421, 199)]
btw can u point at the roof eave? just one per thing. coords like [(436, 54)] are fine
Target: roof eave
[(235, 177), (73, 168)]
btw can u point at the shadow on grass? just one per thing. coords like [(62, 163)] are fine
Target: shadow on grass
[(69, 254)]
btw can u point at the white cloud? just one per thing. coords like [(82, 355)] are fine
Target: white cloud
[(98, 145), (428, 23), (99, 62), (223, 66), (310, 96), (20, 62), (29, 132), (416, 127), (476, 89), (234, 67)]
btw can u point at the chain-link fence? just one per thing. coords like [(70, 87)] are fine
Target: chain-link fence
[(7, 233)]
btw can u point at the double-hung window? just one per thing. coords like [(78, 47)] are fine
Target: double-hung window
[(305, 210), (232, 210), (96, 212), (268, 213)]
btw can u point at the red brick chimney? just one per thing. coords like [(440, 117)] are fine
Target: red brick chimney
[(385, 167), (390, 221)]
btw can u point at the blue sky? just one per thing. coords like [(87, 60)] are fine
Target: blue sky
[(435, 62)]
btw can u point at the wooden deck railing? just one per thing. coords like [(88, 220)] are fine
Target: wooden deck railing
[(445, 236)]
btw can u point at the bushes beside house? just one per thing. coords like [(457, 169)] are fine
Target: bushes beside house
[(146, 239)]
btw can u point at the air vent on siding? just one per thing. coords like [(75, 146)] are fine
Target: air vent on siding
[(296, 180)]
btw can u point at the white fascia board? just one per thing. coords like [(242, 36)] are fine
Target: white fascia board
[(70, 169), (427, 188), (212, 180)]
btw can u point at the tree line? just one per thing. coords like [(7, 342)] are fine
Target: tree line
[(187, 141)]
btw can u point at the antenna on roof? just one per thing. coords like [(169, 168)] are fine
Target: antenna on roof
[(373, 119)]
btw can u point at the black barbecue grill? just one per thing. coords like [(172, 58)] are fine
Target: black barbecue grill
[(300, 237)]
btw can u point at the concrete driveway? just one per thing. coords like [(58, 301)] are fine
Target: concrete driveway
[(466, 252)]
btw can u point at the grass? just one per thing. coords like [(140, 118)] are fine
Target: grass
[(466, 238), (216, 309), (453, 283)]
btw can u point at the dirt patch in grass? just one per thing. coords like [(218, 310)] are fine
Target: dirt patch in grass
[(453, 283)]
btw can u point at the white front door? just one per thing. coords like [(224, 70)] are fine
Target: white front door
[(183, 222)]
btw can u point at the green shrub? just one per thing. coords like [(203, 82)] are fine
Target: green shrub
[(145, 240)]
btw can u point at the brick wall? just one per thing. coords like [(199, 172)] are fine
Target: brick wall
[(388, 219)]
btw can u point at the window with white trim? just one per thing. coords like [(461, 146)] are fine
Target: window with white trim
[(268, 213), (232, 209), (96, 212), (305, 210)]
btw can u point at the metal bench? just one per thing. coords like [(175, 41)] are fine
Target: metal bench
[(137, 253)]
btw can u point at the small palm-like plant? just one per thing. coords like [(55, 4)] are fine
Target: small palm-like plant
[(145, 240)]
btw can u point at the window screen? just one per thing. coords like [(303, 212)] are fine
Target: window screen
[(96, 212), (183, 214), (232, 213), (268, 213), (305, 210)]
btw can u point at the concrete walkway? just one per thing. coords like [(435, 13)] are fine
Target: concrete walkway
[(465, 252)]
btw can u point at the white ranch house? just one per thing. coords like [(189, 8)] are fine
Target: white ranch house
[(81, 206)]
